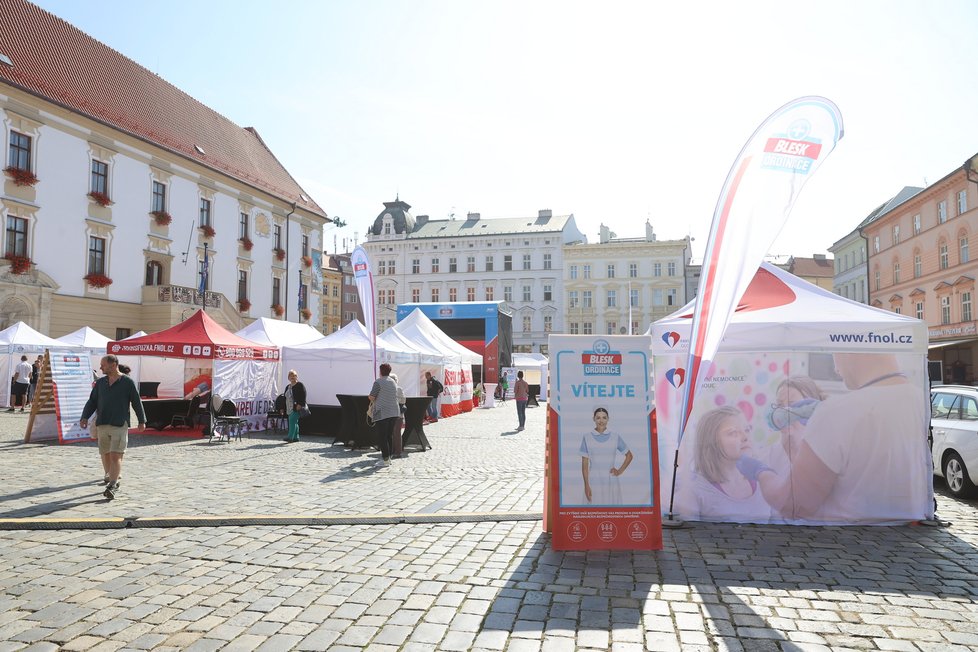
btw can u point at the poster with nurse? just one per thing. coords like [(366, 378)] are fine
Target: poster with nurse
[(603, 460)]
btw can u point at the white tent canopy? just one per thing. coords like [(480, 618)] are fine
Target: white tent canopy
[(19, 340), (418, 326), (342, 363), (275, 332), (779, 366), (91, 340)]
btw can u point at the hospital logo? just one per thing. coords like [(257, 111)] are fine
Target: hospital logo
[(676, 377), (601, 360), (792, 151), (671, 338)]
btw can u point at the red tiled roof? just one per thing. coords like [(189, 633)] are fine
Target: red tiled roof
[(812, 267), (56, 61)]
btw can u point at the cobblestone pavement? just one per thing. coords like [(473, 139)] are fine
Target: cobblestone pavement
[(438, 586)]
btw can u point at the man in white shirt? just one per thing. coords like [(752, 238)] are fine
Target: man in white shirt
[(22, 381)]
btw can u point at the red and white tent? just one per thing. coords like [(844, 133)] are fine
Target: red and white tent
[(200, 355)]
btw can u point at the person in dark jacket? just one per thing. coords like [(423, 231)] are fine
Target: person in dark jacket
[(111, 398), (434, 389), (295, 398)]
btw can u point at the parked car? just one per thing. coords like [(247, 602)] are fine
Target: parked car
[(954, 421)]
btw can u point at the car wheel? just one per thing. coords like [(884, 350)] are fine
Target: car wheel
[(956, 475)]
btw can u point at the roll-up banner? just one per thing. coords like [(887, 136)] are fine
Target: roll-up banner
[(603, 466)]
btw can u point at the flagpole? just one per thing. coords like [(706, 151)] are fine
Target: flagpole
[(203, 280)]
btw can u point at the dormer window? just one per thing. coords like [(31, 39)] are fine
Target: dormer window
[(387, 227)]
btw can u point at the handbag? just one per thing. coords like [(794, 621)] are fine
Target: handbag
[(304, 411), (370, 417)]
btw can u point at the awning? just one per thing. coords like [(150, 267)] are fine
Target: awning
[(938, 345)]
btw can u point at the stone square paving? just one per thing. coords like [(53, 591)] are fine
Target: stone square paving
[(470, 585)]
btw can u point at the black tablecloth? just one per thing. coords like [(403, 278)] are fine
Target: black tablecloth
[(160, 411), (354, 431), (414, 422)]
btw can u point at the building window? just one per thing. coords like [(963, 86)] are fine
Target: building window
[(876, 279), (470, 294), (612, 298), (632, 270), (671, 269), (154, 273), (205, 212), (453, 294), (942, 255), (96, 255), (573, 271), (242, 285), (392, 266), (574, 328), (434, 265), (916, 265), (896, 234), (548, 323), (587, 328), (587, 271), (489, 263), (548, 292), (612, 327), (941, 212), (965, 306), (945, 310), (276, 291), (611, 270), (526, 293), (671, 297), (896, 273), (490, 291), (586, 302), (470, 264), (916, 224), (963, 248), (122, 333), (19, 155), (633, 298), (305, 247), (387, 228), (919, 309), (527, 323), (507, 263), (100, 177), (634, 328), (434, 294), (572, 299), (962, 202), (416, 266), (243, 220), (508, 293), (547, 261), (381, 267), (656, 269), (391, 299), (876, 244), (526, 261), (415, 295), (452, 265), (159, 197), (16, 244), (656, 297)]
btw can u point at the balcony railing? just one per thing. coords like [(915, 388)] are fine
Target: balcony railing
[(189, 296)]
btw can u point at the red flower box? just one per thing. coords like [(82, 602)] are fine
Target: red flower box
[(244, 305), (307, 261), (278, 309), (279, 253), (99, 198), (19, 264), (208, 230), (20, 176), (246, 243), (98, 280), (306, 313), (162, 217)]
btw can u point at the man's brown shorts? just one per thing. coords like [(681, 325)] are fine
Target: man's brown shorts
[(112, 439)]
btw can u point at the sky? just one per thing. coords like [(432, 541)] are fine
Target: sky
[(617, 112)]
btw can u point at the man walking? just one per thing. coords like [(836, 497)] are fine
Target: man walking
[(111, 397), (521, 392), (434, 389), (22, 382)]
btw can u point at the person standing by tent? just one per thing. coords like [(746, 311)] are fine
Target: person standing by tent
[(111, 397), (295, 400), (521, 392), (385, 411), (22, 382), (434, 389), (35, 375)]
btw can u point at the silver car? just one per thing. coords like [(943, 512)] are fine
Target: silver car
[(954, 420)]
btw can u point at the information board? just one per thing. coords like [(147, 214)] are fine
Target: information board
[(71, 375)]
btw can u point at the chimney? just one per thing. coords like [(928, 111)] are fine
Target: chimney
[(649, 233), (420, 221), (545, 213), (604, 234), (472, 217)]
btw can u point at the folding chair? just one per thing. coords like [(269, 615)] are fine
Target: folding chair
[(188, 420), (224, 425)]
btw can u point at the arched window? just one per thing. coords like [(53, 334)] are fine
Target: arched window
[(154, 273)]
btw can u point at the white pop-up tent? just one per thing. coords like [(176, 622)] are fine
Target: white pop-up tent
[(275, 332), (342, 363), (90, 340), (829, 393), (457, 372), (535, 368), (19, 340), (413, 381)]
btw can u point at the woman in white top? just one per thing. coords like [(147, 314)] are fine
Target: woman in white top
[(599, 452)]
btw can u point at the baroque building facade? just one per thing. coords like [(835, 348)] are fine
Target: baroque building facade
[(117, 186), (518, 260)]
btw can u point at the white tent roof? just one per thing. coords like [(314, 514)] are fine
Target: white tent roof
[(530, 360), (87, 337), (428, 352), (21, 337), (807, 316), (135, 335), (416, 327), (353, 340), (275, 332)]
